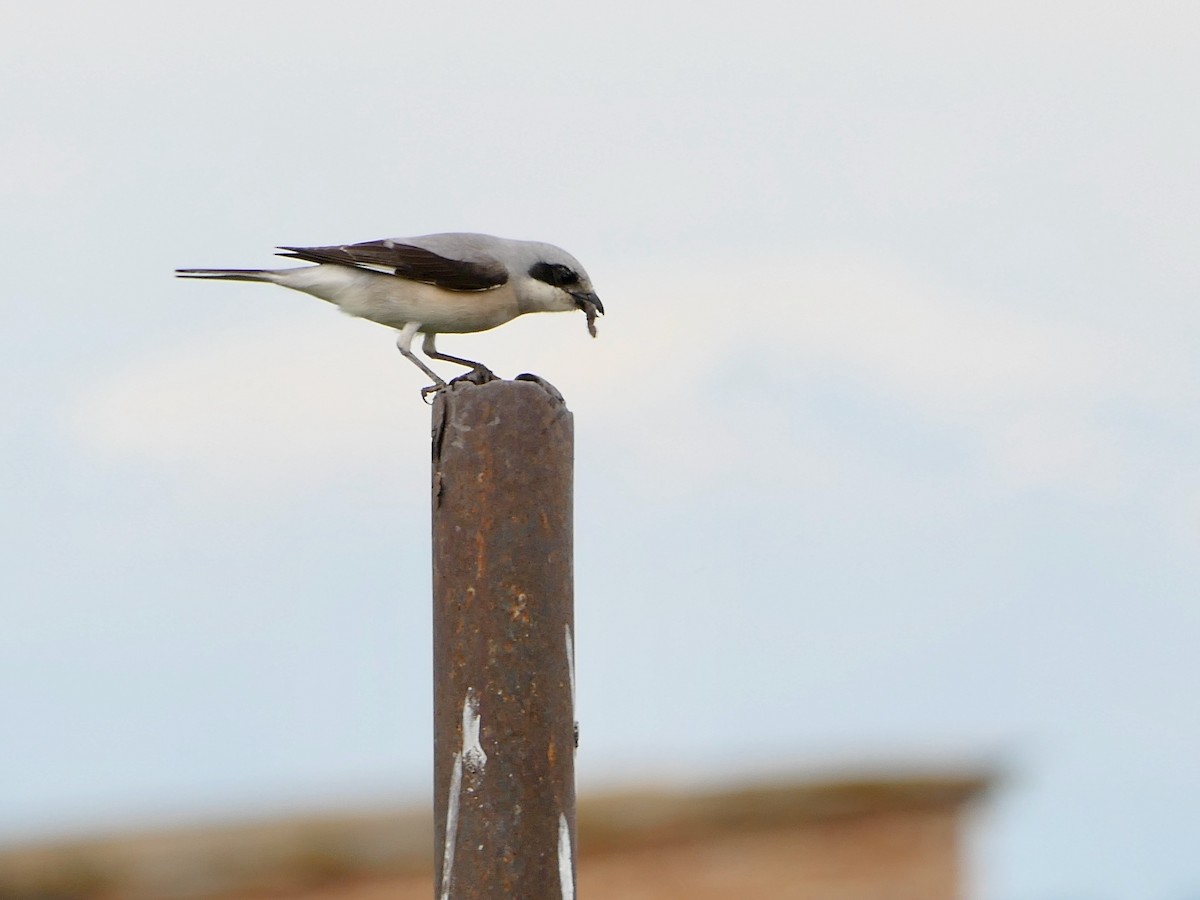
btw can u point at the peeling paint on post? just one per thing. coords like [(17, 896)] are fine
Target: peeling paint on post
[(503, 595)]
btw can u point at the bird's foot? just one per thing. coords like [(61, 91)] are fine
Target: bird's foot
[(432, 389), (478, 375)]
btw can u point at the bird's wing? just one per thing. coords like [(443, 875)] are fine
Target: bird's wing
[(482, 272)]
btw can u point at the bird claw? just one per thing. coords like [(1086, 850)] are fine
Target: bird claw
[(478, 375)]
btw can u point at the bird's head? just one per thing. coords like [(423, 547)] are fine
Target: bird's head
[(556, 282)]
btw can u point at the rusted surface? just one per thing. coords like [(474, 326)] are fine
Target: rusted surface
[(504, 772)]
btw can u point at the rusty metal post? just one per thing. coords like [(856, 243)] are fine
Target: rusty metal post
[(503, 652)]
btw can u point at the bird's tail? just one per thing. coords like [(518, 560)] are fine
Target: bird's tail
[(227, 274)]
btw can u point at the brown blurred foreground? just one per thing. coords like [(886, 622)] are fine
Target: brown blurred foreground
[(877, 839)]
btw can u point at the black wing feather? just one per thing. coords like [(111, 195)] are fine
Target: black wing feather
[(409, 261)]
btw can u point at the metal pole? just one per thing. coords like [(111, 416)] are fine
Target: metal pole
[(503, 651)]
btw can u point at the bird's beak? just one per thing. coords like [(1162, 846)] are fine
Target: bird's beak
[(584, 299), (590, 304)]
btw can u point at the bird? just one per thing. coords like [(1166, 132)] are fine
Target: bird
[(451, 283)]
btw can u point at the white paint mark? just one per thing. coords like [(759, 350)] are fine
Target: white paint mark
[(566, 864), (472, 759), (473, 756), (571, 674), (451, 825), (571, 665)]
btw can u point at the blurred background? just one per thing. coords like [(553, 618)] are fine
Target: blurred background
[(886, 451)]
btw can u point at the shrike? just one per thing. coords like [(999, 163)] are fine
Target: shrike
[(434, 284)]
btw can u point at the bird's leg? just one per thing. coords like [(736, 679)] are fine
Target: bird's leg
[(404, 345), (480, 373)]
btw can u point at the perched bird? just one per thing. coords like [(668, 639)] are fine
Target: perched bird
[(434, 284)]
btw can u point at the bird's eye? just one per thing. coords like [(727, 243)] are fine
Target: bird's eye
[(556, 274)]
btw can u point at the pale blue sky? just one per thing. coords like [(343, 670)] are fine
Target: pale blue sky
[(886, 450)]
